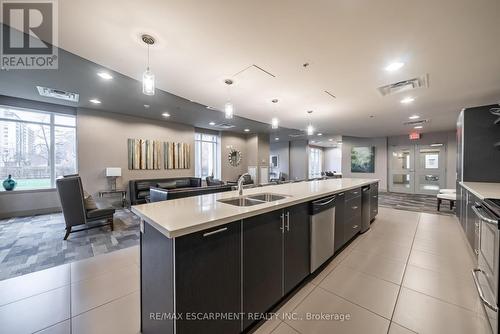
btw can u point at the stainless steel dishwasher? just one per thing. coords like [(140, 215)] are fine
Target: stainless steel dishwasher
[(322, 216)]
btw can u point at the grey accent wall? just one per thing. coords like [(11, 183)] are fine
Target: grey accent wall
[(299, 160), (282, 150), (380, 158), (26, 203), (102, 142), (238, 142)]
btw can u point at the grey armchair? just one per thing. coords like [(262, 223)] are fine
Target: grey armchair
[(70, 192)]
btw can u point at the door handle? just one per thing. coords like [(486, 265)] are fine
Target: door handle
[(282, 228), (483, 217), (480, 290), (215, 232), (288, 221)]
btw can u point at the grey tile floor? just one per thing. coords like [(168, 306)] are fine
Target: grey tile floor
[(410, 273), (29, 244)]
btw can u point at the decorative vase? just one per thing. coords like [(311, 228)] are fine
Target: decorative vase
[(9, 183)]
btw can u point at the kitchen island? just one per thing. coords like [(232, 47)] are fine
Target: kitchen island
[(208, 266)]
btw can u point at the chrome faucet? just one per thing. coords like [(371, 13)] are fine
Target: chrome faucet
[(240, 183)]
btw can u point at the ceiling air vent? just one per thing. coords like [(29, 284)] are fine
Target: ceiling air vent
[(419, 122), (405, 85), (224, 126), (58, 94)]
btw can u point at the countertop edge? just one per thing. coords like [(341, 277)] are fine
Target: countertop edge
[(476, 192), (211, 224)]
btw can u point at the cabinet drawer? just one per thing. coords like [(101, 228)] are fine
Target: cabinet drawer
[(353, 193), (352, 208)]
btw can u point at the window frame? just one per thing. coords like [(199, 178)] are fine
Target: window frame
[(52, 148), (198, 138), (319, 153)]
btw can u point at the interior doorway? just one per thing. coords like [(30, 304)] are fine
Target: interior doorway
[(417, 169)]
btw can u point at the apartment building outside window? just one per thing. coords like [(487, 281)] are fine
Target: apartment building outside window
[(36, 147), (207, 155), (315, 162)]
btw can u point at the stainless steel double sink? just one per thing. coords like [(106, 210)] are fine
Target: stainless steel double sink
[(254, 199)]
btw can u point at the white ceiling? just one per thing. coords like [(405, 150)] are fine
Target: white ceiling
[(346, 42)]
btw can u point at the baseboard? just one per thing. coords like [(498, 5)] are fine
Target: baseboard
[(44, 211)]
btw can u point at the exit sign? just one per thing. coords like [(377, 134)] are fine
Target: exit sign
[(414, 136)]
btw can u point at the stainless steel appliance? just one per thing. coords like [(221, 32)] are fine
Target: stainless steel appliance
[(365, 209), (322, 215), (486, 275)]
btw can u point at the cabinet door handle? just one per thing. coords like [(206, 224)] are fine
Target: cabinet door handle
[(375, 196), (355, 192), (215, 232), (288, 221), (355, 227), (491, 306), (282, 228)]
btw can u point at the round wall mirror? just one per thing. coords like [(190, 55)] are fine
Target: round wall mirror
[(234, 157)]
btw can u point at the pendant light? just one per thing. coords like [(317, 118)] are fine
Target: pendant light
[(148, 78), (228, 107), (274, 121), (310, 128)]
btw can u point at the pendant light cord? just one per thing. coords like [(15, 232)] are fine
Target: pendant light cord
[(148, 59)]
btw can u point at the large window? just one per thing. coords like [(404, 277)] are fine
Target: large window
[(207, 155), (36, 147), (315, 162)]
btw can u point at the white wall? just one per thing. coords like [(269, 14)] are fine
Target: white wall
[(238, 142), (380, 158)]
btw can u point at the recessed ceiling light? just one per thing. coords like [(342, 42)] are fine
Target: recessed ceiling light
[(320, 134), (165, 114), (407, 100), (414, 117), (276, 138), (95, 101), (394, 66), (331, 139), (147, 106), (247, 130), (105, 75), (419, 127), (211, 123)]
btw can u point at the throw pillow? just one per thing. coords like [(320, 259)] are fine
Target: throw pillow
[(89, 201), (167, 185)]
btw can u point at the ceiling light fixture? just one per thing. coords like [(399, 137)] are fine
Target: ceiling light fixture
[(95, 101), (394, 66), (310, 128), (165, 114), (414, 117), (407, 100), (320, 134), (331, 139), (211, 123), (105, 75), (276, 139), (229, 107), (274, 120), (419, 127), (247, 130), (148, 78)]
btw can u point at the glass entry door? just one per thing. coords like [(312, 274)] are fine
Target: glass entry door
[(417, 169), (401, 169), (430, 171)]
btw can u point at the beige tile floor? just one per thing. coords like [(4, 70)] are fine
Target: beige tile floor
[(409, 273)]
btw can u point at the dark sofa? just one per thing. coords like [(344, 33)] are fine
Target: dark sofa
[(160, 194), (139, 189)]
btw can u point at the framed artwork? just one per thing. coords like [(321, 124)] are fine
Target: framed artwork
[(144, 154), (177, 155), (363, 159)]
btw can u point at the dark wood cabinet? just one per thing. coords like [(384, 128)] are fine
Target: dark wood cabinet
[(262, 262), (296, 245), (207, 278), (339, 222), (373, 201), (352, 216)]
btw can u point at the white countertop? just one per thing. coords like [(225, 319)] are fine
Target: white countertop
[(182, 216), (483, 189)]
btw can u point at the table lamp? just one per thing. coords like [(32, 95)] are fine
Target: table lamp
[(113, 173)]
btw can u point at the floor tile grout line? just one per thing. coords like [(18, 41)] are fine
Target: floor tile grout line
[(404, 273), (52, 325), (354, 303), (35, 295), (371, 275), (108, 302)]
